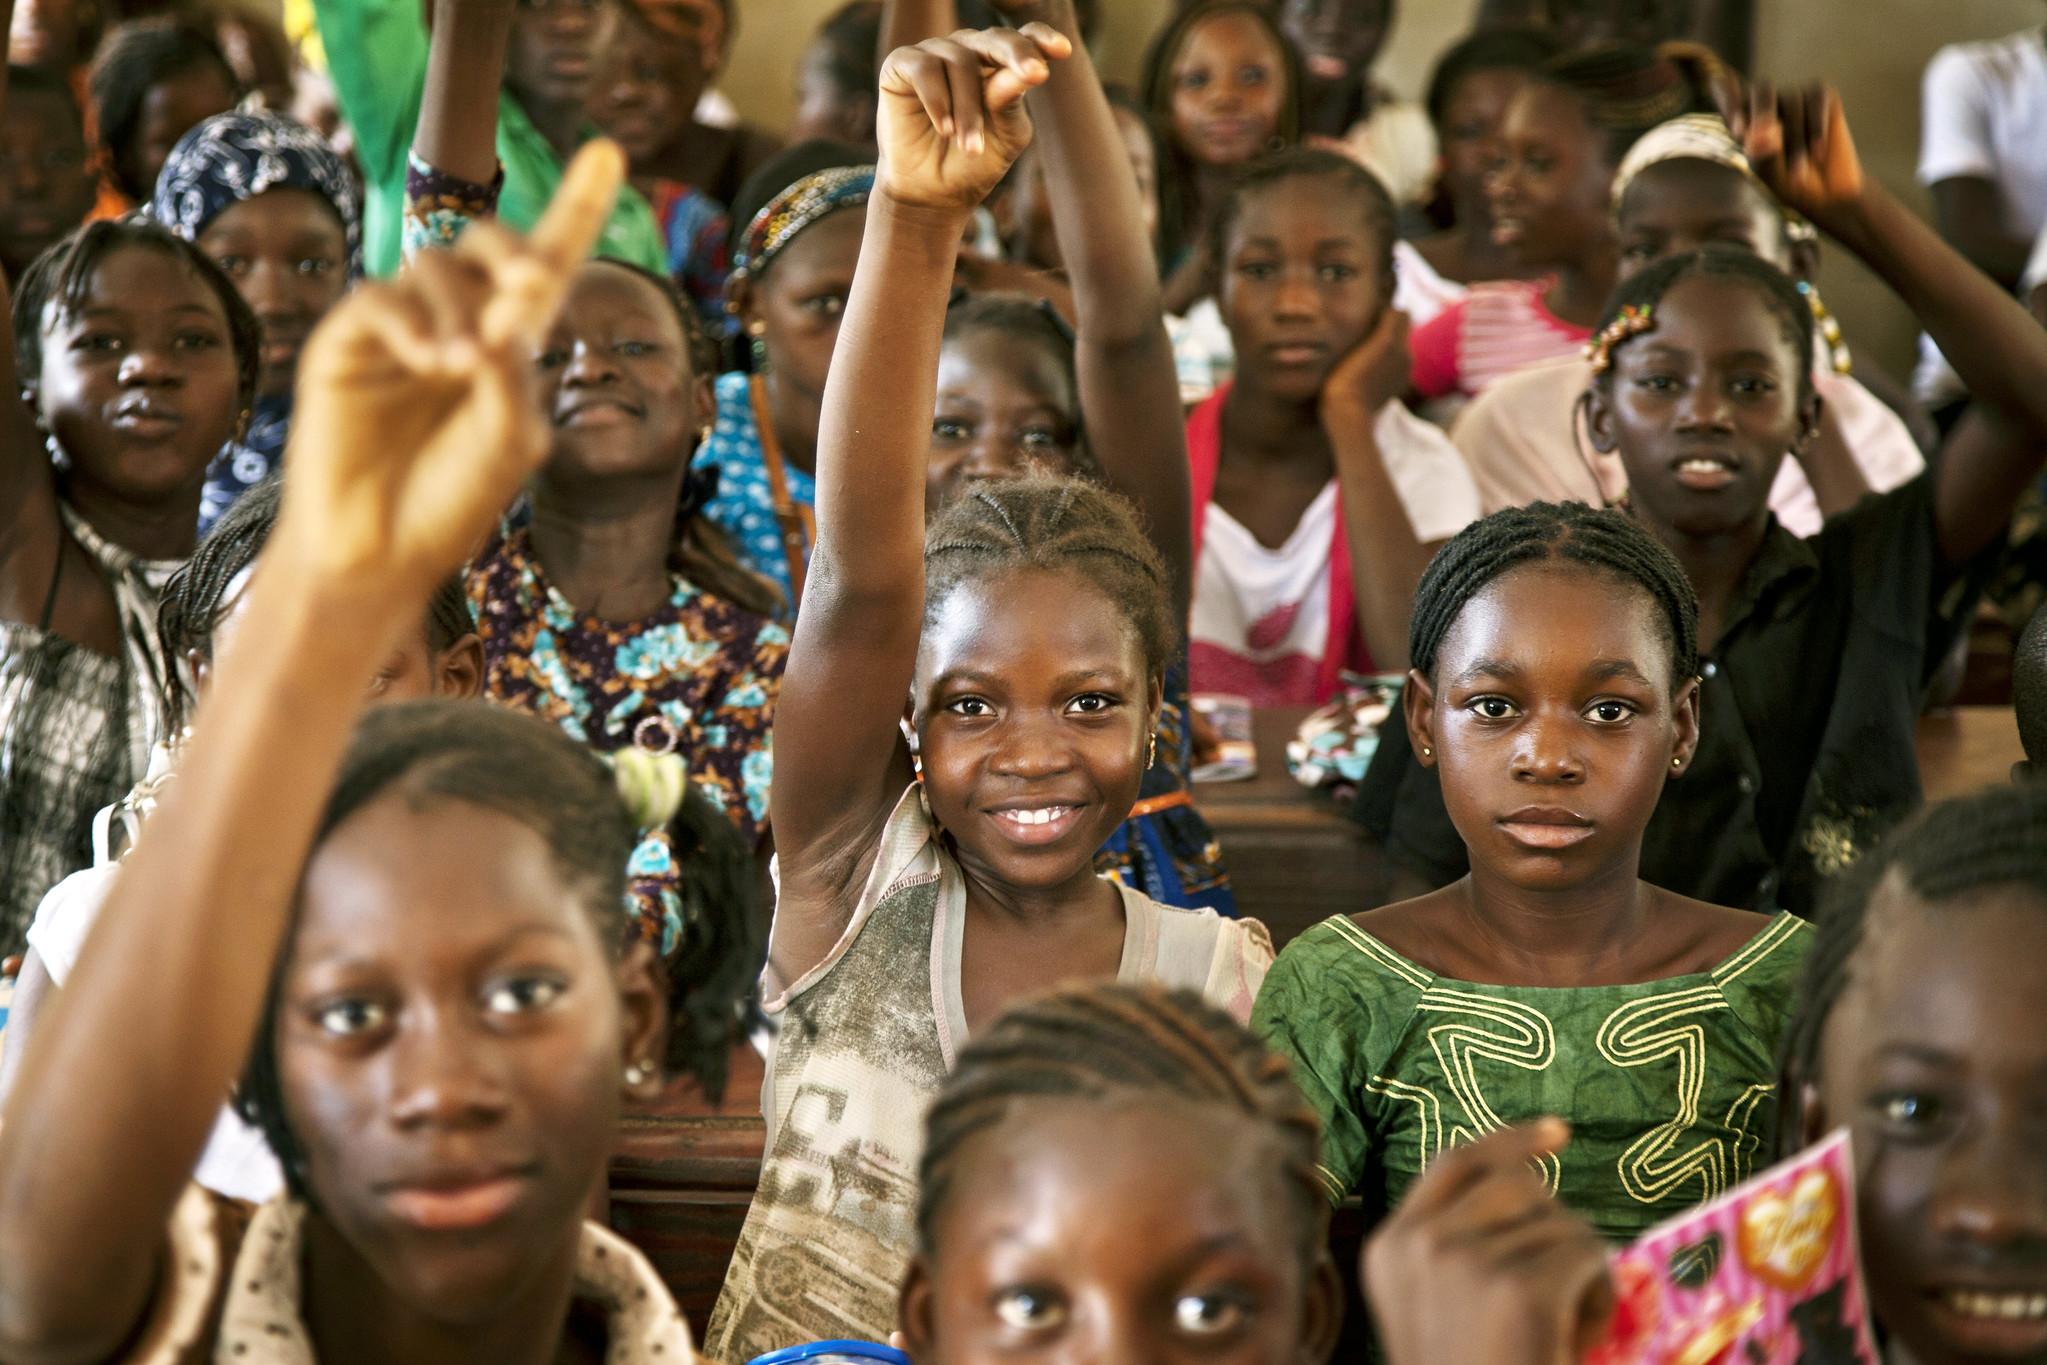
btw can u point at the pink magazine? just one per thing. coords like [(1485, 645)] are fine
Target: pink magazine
[(1768, 1274)]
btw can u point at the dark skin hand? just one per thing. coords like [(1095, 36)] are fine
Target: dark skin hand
[(1935, 1060), (1554, 720), (1480, 1263), (416, 424)]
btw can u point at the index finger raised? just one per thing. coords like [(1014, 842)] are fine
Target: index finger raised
[(576, 215)]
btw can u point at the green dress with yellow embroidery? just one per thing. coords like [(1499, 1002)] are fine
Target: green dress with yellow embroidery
[(1669, 1086)]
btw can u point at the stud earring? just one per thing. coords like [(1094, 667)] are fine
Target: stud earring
[(1427, 752), (1677, 763), (638, 1074)]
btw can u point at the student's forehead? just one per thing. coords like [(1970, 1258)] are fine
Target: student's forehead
[(828, 247), (1028, 614), (994, 359), (1694, 188), (1232, 33), (136, 272), (1533, 606)]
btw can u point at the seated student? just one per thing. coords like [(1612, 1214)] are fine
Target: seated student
[(1339, 40), (46, 181), (835, 77), (533, 62), (152, 80), (2029, 697), (651, 66), (797, 226), (1019, 393), (1468, 95), (135, 355), (1562, 139), (1317, 494), (1120, 1173), (1917, 1028), (1029, 628), (278, 211), (202, 607), (1553, 688), (1685, 185), (1817, 651), (413, 940), (605, 602)]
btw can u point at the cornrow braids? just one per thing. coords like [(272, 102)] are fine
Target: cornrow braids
[(1995, 838), (1625, 90), (1309, 163), (60, 281), (1602, 539), (1062, 524), (195, 597), (1644, 293), (1105, 1042)]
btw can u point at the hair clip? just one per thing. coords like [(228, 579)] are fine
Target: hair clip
[(1829, 329), (1631, 321)]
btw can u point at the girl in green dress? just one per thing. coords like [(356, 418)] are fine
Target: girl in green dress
[(1555, 690)]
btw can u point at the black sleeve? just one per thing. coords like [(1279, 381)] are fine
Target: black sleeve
[(1401, 803)]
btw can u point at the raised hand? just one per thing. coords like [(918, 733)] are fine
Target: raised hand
[(952, 119), (416, 420), (1800, 146), (1479, 1263)]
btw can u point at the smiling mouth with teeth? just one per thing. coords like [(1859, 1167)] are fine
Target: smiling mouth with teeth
[(1044, 815), (2014, 1307)]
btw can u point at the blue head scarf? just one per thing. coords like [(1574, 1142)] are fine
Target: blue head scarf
[(218, 164)]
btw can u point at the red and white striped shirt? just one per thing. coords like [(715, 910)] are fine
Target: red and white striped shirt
[(1499, 327)]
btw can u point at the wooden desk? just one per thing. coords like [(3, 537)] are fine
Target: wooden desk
[(1296, 858)]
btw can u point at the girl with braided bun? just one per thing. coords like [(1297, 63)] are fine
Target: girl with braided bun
[(1917, 1027), (1023, 638), (1119, 1172), (1816, 652), (407, 936), (1554, 687)]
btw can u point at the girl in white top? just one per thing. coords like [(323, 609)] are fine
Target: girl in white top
[(1025, 640), (420, 956)]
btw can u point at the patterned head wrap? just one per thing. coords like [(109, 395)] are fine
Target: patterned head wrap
[(785, 216), (236, 156)]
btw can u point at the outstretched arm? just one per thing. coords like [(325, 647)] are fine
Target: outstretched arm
[(951, 123), (458, 115), (905, 23), (1129, 391), (416, 422), (1801, 145), (1386, 556)]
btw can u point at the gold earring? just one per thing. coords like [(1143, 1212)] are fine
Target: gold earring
[(1677, 763), (638, 1074), (1151, 753), (1427, 752)]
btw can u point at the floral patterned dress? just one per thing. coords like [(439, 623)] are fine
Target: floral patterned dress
[(697, 677)]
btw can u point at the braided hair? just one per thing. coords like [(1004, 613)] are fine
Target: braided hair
[(1625, 91), (1105, 1042), (195, 599), (528, 770), (1611, 542), (1056, 523), (1643, 292), (1996, 838), (2029, 689), (1382, 223)]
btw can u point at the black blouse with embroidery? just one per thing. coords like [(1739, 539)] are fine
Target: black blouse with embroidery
[(1808, 711)]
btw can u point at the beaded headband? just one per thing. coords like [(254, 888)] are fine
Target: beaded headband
[(796, 208), (1632, 321)]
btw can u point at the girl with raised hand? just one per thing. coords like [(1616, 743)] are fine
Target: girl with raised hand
[(413, 939), (1554, 688), (1023, 638), (1317, 494), (1917, 1028), (278, 211), (1684, 185), (1816, 652), (1019, 392), (606, 602), (1123, 1173), (136, 359)]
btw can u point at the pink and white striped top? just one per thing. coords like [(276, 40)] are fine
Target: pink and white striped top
[(1499, 327)]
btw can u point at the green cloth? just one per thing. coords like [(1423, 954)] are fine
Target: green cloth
[(1669, 1086), (376, 53)]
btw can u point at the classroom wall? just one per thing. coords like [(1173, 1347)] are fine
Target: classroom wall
[(1874, 50)]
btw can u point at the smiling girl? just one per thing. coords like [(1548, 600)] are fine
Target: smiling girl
[(136, 357), (1023, 638), (1816, 652)]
